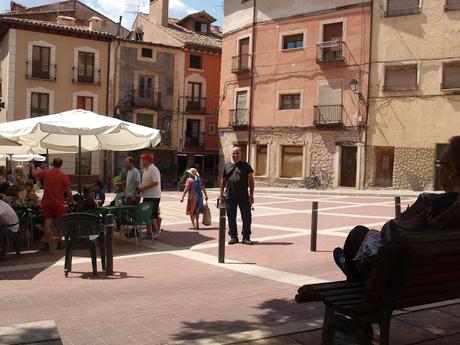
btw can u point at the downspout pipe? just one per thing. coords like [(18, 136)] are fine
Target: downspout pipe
[(251, 86)]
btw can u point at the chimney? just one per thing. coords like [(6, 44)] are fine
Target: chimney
[(15, 7), (159, 11), (95, 23), (63, 20)]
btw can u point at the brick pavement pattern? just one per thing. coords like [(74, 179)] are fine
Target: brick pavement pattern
[(173, 291)]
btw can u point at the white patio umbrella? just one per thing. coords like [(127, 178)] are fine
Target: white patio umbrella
[(28, 158), (79, 130)]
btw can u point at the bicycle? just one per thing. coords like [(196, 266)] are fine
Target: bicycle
[(318, 180)]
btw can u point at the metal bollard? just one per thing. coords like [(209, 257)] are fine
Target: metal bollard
[(314, 226), (397, 206), (222, 220), (109, 224)]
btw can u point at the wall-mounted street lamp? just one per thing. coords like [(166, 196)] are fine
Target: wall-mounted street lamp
[(356, 89)]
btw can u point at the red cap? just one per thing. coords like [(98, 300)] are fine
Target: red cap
[(147, 157)]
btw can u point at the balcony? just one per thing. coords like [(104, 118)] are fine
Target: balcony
[(150, 100), (194, 142), (452, 5), (328, 115), (38, 73), (238, 117), (240, 63), (196, 105), (87, 79), (330, 51)]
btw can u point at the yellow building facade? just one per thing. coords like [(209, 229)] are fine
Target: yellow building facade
[(48, 68), (414, 91)]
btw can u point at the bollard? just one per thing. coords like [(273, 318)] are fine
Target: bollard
[(222, 220), (397, 206), (109, 224), (314, 225)]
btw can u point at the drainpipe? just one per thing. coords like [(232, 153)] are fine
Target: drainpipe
[(251, 87), (104, 168), (368, 94)]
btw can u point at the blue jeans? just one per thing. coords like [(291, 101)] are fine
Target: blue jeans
[(245, 209)]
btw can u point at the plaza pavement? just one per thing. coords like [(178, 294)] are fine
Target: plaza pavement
[(173, 291)]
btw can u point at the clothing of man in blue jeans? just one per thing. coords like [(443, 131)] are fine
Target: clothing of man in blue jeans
[(237, 178)]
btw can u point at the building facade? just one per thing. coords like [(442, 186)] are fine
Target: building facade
[(196, 102), (294, 82), (145, 82), (51, 67), (414, 91)]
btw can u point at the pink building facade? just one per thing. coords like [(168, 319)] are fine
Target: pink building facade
[(294, 83)]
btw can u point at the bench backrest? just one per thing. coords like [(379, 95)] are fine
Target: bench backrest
[(416, 268)]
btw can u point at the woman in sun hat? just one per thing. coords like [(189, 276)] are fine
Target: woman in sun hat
[(195, 191)]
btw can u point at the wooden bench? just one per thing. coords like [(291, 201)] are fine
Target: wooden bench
[(414, 269)]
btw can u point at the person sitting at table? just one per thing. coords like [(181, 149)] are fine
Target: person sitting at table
[(12, 197), (86, 201), (9, 226), (120, 190), (99, 194), (31, 198)]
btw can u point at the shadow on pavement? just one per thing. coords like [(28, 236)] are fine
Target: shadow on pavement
[(101, 275)]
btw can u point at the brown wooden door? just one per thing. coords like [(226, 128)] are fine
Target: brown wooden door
[(348, 166), (244, 52), (437, 181), (384, 166)]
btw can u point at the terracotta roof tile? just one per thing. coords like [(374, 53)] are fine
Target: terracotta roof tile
[(188, 37)]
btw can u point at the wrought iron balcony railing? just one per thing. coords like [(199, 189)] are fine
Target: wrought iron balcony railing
[(326, 115), (37, 71), (330, 51), (238, 117), (241, 63), (147, 99), (87, 79), (195, 105)]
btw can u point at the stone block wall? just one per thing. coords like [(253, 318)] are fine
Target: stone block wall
[(414, 168)]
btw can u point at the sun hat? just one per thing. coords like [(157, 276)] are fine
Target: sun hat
[(193, 172)]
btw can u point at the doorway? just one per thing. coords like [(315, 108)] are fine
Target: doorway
[(384, 166), (348, 166)]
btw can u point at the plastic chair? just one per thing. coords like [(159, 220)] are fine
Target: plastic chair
[(142, 216), (82, 230)]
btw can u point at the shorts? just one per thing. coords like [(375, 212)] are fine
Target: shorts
[(53, 211), (156, 206)]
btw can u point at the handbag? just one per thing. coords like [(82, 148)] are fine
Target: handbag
[(206, 215)]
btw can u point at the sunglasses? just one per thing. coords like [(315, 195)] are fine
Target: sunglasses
[(438, 163)]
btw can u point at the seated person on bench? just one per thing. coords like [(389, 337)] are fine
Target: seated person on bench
[(430, 211)]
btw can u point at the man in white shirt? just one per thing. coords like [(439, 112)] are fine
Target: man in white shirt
[(151, 188), (9, 226)]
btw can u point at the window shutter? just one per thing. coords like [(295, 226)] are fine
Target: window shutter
[(451, 76), (330, 93), (401, 78), (396, 7), (333, 32)]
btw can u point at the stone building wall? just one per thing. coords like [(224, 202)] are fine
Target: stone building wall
[(320, 151), (414, 168), (371, 157)]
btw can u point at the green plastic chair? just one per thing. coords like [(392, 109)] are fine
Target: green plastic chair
[(82, 230), (142, 216)]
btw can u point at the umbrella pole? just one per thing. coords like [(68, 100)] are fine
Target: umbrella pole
[(79, 165)]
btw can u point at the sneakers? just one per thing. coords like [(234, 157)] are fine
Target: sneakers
[(339, 258), (233, 240), (247, 241)]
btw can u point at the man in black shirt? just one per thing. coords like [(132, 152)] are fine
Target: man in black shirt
[(237, 178)]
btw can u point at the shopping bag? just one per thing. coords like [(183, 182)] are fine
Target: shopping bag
[(206, 215)]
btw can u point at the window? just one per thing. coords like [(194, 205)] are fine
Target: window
[(292, 161), (145, 87), (261, 160), (398, 78), (452, 5), (147, 52), (212, 129), (85, 67), (289, 101), (85, 163), (85, 103), (39, 104), (194, 96), (144, 119), (293, 41), (451, 75), (196, 61), (329, 109), (41, 62), (201, 27), (239, 116), (402, 7)]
